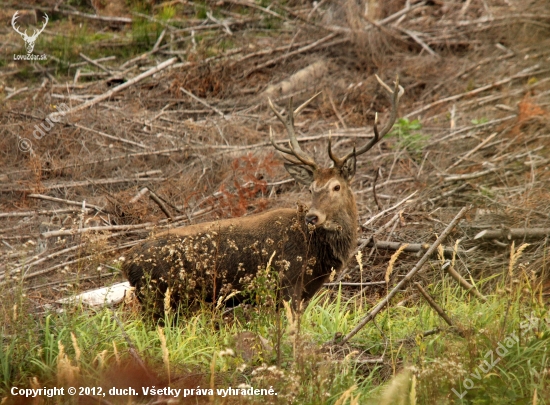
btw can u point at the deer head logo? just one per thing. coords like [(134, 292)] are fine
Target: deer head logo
[(29, 40)]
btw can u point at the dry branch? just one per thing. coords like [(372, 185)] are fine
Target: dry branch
[(411, 247), (395, 206), (117, 89), (204, 103), (86, 183), (115, 138), (474, 150), (524, 73), (160, 203), (306, 48), (462, 282), (68, 202), (514, 233), (372, 314), (41, 212), (366, 284), (433, 304)]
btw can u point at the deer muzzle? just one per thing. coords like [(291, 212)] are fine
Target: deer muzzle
[(314, 217)]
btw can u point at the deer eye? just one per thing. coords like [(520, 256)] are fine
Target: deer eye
[(337, 187)]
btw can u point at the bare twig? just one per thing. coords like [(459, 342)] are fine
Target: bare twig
[(418, 40), (85, 183), (95, 63), (372, 314), (524, 73), (204, 103), (61, 200), (115, 138), (462, 282), (160, 203), (374, 189), (117, 89), (306, 48), (470, 153), (123, 20), (514, 233), (356, 284), (433, 304), (382, 213), (40, 212)]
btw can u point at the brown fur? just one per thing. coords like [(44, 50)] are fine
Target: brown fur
[(203, 262)]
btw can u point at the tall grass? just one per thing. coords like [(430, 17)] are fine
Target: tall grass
[(85, 345)]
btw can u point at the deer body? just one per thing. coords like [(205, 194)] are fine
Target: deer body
[(207, 261), (212, 261)]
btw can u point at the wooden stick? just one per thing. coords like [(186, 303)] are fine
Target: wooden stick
[(382, 213), (470, 153), (513, 233), (418, 40), (372, 314), (433, 304), (140, 194), (463, 283), (411, 247), (67, 232), (40, 212), (124, 20), (85, 183), (16, 92), (524, 73), (115, 138), (296, 52), (470, 176), (61, 200), (95, 63), (117, 89), (356, 284), (35, 260), (204, 103), (125, 156), (160, 203), (374, 189)]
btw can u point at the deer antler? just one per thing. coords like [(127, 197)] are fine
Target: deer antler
[(295, 149), (396, 94), (24, 34), (13, 21), (46, 18)]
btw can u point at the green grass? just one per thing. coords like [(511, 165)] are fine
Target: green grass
[(298, 368)]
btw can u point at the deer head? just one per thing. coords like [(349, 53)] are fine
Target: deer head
[(29, 41), (332, 201)]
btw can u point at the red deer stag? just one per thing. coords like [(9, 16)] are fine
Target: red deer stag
[(208, 262)]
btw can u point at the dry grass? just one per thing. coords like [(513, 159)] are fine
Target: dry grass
[(224, 166)]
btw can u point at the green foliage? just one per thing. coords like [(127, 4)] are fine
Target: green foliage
[(409, 137), (166, 13), (480, 121)]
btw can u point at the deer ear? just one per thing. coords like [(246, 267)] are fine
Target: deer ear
[(347, 171), (301, 173)]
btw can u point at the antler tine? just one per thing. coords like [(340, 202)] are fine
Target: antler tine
[(14, 21), (295, 149), (333, 157), (396, 94), (46, 18), (278, 147)]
